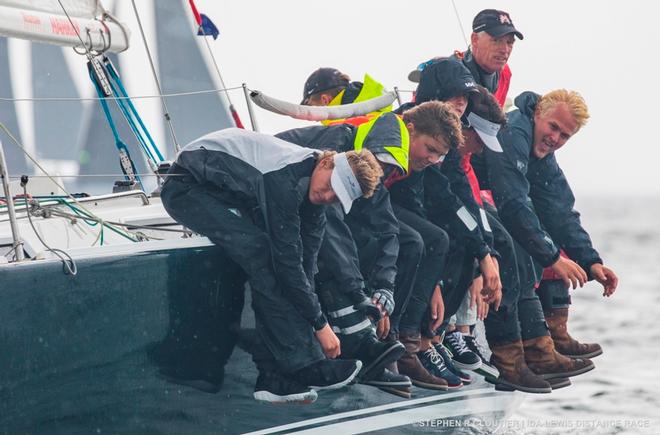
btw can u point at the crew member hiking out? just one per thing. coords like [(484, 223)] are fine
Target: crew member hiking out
[(262, 200)]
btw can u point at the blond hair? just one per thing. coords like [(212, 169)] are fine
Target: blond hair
[(437, 120), (576, 105), (366, 168)]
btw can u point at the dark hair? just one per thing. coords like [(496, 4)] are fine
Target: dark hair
[(484, 104)]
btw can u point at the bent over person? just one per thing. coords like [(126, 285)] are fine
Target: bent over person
[(261, 200)]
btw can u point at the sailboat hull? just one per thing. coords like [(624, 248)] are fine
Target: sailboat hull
[(85, 352)]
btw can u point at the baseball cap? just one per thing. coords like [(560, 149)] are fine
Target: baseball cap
[(321, 80), (344, 183), (444, 79), (486, 130), (494, 22)]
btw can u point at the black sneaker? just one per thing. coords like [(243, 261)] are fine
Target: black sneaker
[(463, 357), (328, 374), (273, 387), (394, 383), (446, 356), (486, 369), (434, 364), (376, 355)]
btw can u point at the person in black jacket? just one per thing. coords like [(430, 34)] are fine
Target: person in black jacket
[(535, 203), (360, 253), (262, 201)]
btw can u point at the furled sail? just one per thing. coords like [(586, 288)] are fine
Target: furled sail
[(321, 113), (47, 21)]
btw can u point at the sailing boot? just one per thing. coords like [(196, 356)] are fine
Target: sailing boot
[(410, 365), (509, 359), (545, 361), (557, 320)]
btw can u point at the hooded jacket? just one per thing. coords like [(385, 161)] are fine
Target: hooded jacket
[(266, 179), (533, 197), (373, 216)]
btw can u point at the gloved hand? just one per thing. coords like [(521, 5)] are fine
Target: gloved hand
[(362, 303), (385, 298)]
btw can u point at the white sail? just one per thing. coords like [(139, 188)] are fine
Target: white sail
[(47, 21)]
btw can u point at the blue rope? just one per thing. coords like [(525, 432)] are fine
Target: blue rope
[(127, 100), (121, 146)]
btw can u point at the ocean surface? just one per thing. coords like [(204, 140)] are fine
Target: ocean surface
[(621, 396)]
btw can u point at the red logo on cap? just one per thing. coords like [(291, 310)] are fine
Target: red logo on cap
[(504, 19)]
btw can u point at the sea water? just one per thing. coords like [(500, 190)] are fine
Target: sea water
[(621, 395)]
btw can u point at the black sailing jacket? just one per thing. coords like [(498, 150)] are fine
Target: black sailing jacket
[(532, 195), (269, 178)]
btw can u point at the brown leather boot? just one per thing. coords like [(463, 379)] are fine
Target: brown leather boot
[(514, 373), (566, 345), (410, 365), (545, 361)]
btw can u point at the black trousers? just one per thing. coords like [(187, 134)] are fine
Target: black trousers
[(287, 336), (520, 315), (434, 244)]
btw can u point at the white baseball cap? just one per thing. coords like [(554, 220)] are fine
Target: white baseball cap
[(486, 130), (344, 183)]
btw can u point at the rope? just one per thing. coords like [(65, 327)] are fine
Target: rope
[(168, 119), (71, 269), (137, 97), (53, 180)]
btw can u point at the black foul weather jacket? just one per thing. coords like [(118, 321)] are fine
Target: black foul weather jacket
[(267, 179), (533, 197), (372, 217)]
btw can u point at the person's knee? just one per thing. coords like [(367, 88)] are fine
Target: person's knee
[(412, 246), (437, 243)]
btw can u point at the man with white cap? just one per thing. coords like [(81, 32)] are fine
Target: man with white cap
[(261, 200)]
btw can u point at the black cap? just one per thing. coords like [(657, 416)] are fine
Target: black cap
[(495, 23), (444, 79), (321, 80)]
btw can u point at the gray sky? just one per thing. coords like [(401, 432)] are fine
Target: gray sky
[(594, 47)]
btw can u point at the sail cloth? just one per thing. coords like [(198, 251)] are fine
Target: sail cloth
[(45, 21), (321, 113)]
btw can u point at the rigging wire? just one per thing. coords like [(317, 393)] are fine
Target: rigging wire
[(460, 24), (54, 181), (128, 97), (167, 116)]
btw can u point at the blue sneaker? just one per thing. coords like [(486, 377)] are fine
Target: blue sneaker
[(435, 364), (446, 356)]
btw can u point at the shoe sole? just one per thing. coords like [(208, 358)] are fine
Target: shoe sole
[(358, 367), (197, 384), (502, 385), (383, 384), (429, 386), (463, 366), (593, 354), (548, 376), (558, 383), (302, 398), (405, 393), (487, 371), (393, 354)]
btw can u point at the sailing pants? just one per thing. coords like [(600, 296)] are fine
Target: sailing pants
[(285, 333), (434, 244), (520, 315), (553, 294)]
